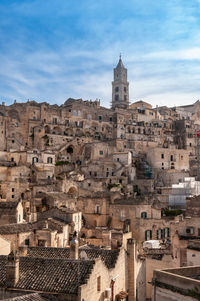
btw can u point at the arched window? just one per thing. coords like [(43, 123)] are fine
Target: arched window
[(49, 160), (143, 215), (34, 160)]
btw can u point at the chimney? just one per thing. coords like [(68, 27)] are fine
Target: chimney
[(46, 225), (131, 269), (12, 269), (74, 245)]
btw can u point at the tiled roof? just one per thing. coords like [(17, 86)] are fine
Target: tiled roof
[(3, 261), (33, 297), (109, 257), (8, 204), (53, 275), (16, 228), (48, 252)]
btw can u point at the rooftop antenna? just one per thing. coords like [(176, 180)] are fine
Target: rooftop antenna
[(120, 56)]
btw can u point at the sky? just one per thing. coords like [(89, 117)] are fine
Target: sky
[(51, 50)]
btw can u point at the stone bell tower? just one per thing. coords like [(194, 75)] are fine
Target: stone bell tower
[(120, 87)]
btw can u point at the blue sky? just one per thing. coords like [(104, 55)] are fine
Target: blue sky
[(51, 50)]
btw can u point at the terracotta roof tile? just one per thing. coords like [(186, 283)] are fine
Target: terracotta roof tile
[(109, 257), (53, 275), (33, 297)]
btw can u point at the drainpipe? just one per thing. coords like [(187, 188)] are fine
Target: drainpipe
[(154, 290), (112, 289)]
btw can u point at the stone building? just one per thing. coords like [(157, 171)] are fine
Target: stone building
[(104, 173), (176, 284), (100, 275)]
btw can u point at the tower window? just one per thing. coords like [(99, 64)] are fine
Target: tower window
[(125, 89), (125, 97), (116, 89), (116, 97)]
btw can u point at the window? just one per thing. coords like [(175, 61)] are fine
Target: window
[(19, 218), (97, 210), (98, 283), (125, 89), (116, 89), (198, 232), (49, 160), (166, 233), (162, 156), (54, 120), (110, 119), (34, 160), (101, 152), (171, 158), (89, 117), (100, 118), (13, 196), (12, 159), (144, 215), (13, 141), (13, 189), (116, 97), (148, 234), (27, 242), (159, 234), (79, 113), (125, 97), (74, 113), (190, 230)]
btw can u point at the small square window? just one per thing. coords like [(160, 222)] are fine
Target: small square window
[(101, 152), (26, 242)]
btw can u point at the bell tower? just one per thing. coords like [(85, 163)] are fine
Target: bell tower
[(120, 87)]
